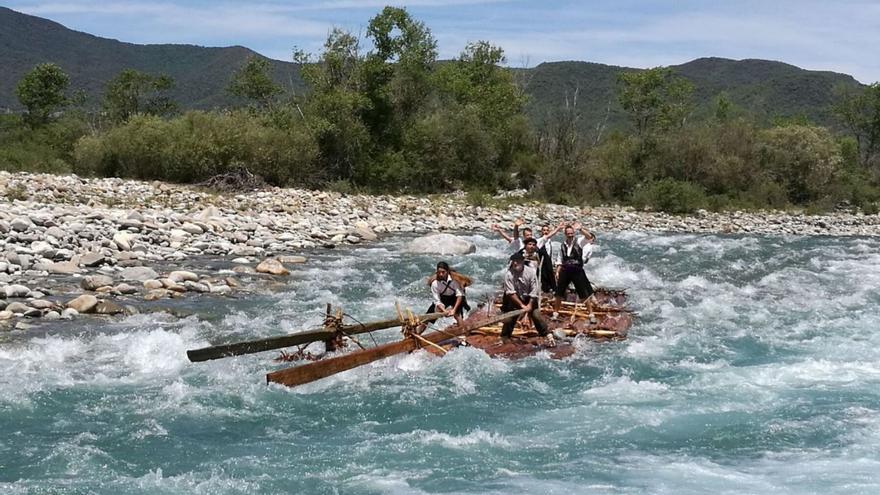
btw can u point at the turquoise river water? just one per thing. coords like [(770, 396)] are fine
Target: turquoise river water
[(754, 367)]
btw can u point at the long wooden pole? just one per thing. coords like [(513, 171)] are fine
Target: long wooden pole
[(306, 373), (317, 335)]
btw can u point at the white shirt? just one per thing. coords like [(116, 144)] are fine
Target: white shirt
[(448, 287), (552, 247), (524, 284)]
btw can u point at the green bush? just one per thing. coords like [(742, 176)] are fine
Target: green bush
[(671, 196), (804, 159), (199, 145), (47, 148)]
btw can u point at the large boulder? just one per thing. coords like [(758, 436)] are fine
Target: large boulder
[(272, 266), (444, 244), (83, 304)]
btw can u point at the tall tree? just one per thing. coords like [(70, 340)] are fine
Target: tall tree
[(476, 77), (859, 111), (397, 72), (253, 81), (656, 99), (133, 92), (42, 92)]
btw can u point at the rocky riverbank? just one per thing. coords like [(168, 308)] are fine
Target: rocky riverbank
[(72, 245)]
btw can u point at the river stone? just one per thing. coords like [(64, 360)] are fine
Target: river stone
[(83, 304), (6, 315), (353, 239), (183, 276), (3, 304), (196, 286), (366, 233), (272, 266), (62, 268), (169, 284), (125, 289), (41, 304), (43, 248), (17, 307), (21, 224), (292, 259), (93, 282), (156, 294), (55, 232), (123, 240), (32, 313), (231, 281), (139, 273), (220, 289), (69, 313), (191, 228), (177, 235), (16, 290), (153, 284), (105, 307), (443, 244), (52, 316), (92, 259)]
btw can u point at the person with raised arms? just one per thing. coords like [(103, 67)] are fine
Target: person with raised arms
[(574, 252)]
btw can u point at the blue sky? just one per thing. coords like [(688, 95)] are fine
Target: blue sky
[(838, 35)]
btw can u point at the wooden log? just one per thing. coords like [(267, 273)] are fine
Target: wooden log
[(317, 335), (306, 373)]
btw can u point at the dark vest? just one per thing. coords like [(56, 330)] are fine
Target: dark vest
[(576, 258)]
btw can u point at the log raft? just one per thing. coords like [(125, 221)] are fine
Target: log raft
[(606, 318), (306, 373), (317, 335)]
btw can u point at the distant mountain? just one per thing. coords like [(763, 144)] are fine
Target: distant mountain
[(765, 88), (200, 74)]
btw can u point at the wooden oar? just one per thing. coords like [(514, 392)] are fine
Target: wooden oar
[(306, 373), (317, 335)]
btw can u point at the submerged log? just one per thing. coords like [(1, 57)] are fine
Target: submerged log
[(306, 373), (317, 335)]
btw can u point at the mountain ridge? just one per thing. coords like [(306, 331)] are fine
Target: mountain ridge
[(767, 89)]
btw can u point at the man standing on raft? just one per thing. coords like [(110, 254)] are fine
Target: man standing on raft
[(573, 254)]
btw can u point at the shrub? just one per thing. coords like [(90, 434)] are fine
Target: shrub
[(198, 145), (805, 159), (671, 196)]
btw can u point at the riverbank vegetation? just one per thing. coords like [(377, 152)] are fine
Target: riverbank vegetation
[(382, 114)]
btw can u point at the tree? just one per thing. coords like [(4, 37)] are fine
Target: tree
[(656, 99), (253, 81), (133, 92), (396, 73), (42, 92), (859, 111), (477, 78)]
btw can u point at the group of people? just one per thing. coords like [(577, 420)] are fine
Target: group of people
[(536, 266)]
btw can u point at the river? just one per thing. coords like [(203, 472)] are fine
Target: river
[(754, 367)]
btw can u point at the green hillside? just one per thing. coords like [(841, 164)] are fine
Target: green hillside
[(765, 88), (201, 74)]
